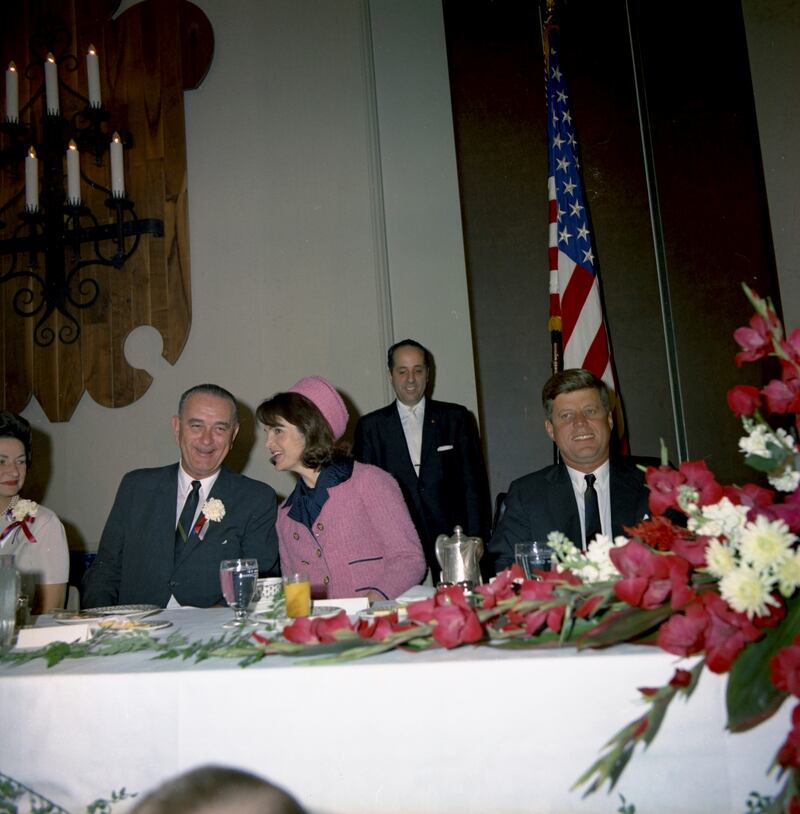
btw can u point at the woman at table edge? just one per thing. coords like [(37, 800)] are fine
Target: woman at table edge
[(346, 523), (37, 540)]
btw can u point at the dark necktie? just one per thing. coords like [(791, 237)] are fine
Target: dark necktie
[(184, 527), (591, 510)]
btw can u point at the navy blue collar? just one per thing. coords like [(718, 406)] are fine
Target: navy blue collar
[(305, 503)]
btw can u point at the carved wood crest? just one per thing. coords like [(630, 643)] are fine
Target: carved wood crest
[(148, 57)]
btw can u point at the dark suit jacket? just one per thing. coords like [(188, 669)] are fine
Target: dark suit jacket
[(135, 560), (452, 488), (544, 501)]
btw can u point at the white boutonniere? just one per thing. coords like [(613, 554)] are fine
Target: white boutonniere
[(213, 511)]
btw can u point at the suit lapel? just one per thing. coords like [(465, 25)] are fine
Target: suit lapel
[(429, 431), (163, 522), (561, 502)]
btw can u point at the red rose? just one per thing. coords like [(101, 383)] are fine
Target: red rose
[(784, 668), (663, 483), (743, 399)]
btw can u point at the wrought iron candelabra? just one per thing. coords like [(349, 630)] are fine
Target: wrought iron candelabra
[(56, 236)]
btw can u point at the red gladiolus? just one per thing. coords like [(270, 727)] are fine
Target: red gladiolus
[(684, 633), (784, 668), (663, 483), (379, 628), (682, 678), (750, 495), (744, 399), (649, 692), (789, 753), (650, 578), (727, 633), (587, 608), (322, 630), (501, 588), (783, 396), (455, 625), (789, 511), (693, 551), (700, 477), (755, 341)]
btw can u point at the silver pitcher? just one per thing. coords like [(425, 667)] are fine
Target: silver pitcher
[(459, 556)]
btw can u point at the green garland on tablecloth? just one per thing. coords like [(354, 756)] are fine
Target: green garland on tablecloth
[(13, 794)]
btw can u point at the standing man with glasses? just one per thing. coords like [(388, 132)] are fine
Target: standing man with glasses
[(587, 492), (433, 450), (170, 527)]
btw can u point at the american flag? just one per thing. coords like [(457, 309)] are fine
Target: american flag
[(576, 310)]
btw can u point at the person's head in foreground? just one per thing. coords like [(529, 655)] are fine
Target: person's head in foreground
[(218, 790)]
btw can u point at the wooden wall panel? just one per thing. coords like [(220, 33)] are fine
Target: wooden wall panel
[(148, 57)]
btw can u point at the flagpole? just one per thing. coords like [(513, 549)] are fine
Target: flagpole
[(658, 246)]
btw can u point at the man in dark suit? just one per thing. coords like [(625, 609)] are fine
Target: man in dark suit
[(433, 450), (587, 492), (170, 527)]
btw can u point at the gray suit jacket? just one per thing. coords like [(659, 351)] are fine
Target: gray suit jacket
[(136, 558), (544, 501)]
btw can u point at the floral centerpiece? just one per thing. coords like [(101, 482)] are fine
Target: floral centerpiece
[(712, 573)]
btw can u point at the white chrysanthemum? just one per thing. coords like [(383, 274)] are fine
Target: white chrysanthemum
[(766, 543), (786, 439), (747, 591), (599, 565), (24, 508), (720, 558), (719, 519), (786, 479), (755, 443), (214, 509), (788, 575)]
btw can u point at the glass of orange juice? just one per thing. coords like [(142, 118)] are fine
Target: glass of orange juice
[(297, 592)]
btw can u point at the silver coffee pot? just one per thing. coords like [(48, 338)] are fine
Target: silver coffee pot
[(459, 557)]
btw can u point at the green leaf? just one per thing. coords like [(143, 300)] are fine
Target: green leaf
[(625, 625), (751, 695)]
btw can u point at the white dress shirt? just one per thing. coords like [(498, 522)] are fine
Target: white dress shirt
[(412, 419), (602, 486)]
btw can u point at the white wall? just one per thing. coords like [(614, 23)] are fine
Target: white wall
[(294, 269)]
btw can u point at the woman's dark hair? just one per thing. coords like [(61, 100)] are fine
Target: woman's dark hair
[(320, 449), (15, 426)]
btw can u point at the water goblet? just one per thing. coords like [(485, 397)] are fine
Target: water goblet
[(533, 556), (238, 579)]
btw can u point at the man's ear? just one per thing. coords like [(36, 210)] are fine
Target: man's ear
[(548, 425), (610, 420), (176, 426), (235, 433)]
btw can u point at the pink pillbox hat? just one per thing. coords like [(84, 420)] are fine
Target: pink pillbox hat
[(325, 398)]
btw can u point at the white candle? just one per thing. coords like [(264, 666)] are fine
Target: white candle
[(93, 72), (73, 174), (117, 168), (32, 181), (51, 85), (12, 93)]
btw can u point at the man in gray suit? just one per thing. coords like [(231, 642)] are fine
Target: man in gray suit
[(170, 527), (588, 491)]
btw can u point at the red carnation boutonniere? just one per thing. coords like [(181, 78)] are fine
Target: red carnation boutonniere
[(213, 510), (22, 513)]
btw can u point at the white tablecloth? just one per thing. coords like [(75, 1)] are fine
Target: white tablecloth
[(468, 730)]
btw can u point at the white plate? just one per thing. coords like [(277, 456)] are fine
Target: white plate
[(64, 617), (325, 610)]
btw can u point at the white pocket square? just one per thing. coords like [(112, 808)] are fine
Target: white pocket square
[(444, 448)]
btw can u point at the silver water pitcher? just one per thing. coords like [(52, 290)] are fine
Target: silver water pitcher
[(9, 595), (459, 557)]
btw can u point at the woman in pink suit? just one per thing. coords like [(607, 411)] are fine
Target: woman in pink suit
[(346, 523)]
